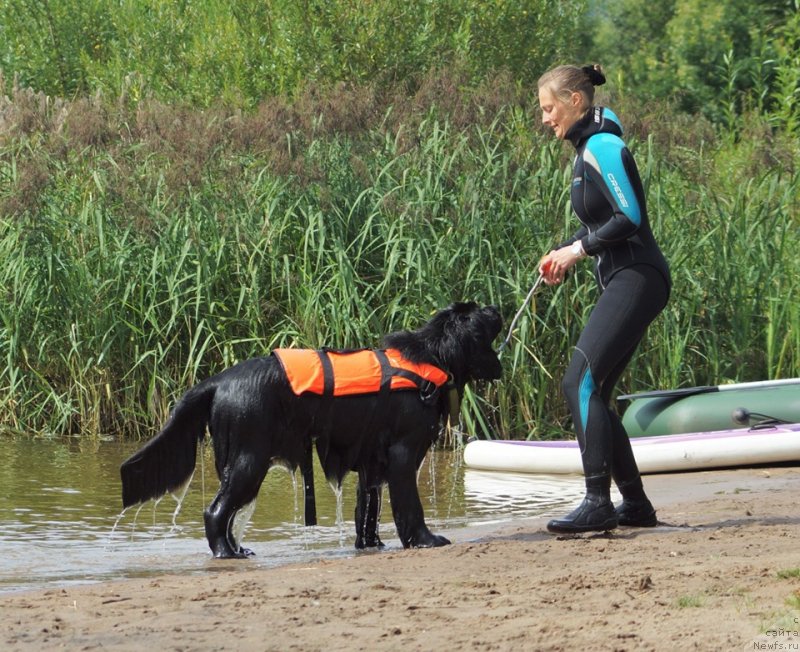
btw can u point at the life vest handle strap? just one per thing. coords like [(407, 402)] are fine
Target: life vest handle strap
[(327, 372)]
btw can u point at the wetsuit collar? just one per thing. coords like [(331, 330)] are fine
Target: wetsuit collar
[(597, 119)]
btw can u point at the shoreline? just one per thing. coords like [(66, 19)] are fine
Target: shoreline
[(721, 570)]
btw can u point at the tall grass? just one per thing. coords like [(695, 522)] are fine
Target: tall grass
[(158, 246)]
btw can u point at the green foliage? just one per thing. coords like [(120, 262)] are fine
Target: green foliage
[(238, 52), (689, 601), (785, 94), (713, 58), (698, 60), (627, 37), (145, 247), (187, 184), (49, 43)]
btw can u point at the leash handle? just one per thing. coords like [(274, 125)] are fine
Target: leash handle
[(519, 313)]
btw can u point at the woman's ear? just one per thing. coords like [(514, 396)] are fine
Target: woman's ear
[(576, 99)]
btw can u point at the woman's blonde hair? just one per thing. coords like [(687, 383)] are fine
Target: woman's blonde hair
[(563, 81)]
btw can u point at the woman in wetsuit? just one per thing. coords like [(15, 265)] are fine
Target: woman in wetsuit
[(634, 284)]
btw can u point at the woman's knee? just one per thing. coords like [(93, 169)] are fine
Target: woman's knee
[(571, 382)]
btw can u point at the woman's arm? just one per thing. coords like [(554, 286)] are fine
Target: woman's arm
[(610, 165)]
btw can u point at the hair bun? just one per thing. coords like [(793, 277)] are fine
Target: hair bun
[(595, 74)]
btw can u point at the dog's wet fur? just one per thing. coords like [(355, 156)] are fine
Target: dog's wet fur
[(255, 420)]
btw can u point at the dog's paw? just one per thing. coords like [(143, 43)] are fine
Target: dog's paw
[(429, 540), (440, 541), (226, 552), (370, 542)]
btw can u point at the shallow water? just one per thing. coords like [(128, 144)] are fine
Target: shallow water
[(61, 521)]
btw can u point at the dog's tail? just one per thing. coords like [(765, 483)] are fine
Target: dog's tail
[(167, 461)]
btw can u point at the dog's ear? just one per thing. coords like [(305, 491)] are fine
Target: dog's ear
[(465, 345), (484, 363), (471, 316), (492, 321), (462, 307)]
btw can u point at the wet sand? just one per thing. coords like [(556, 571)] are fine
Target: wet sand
[(720, 572)]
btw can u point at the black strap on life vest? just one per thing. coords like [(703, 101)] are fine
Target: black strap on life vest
[(307, 466), (428, 392), (327, 372)]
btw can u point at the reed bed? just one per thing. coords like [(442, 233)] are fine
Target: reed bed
[(131, 270)]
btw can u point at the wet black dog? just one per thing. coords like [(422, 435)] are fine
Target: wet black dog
[(255, 419)]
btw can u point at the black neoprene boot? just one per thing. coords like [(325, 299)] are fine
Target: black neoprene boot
[(635, 510), (636, 513), (595, 514)]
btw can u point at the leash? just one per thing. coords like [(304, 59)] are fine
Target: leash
[(519, 313)]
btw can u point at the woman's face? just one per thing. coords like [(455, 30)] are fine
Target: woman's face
[(558, 114)]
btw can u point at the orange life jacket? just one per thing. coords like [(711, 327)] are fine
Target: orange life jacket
[(366, 371)]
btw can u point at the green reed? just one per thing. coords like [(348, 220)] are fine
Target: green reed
[(122, 287)]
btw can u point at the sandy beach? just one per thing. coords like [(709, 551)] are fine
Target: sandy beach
[(720, 572)]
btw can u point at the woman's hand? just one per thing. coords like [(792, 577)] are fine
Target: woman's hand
[(554, 265)]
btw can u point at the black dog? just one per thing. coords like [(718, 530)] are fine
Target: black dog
[(255, 419)]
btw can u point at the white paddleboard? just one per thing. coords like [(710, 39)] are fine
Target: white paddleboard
[(685, 452)]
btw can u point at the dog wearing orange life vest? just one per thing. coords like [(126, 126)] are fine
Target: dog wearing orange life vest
[(269, 409)]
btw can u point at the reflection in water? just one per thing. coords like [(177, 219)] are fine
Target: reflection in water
[(515, 494), (61, 521)]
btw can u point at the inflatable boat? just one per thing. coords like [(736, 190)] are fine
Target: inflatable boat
[(700, 409)]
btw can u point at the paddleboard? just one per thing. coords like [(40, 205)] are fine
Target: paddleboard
[(685, 452)]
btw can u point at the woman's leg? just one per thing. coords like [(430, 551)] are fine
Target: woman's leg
[(635, 509), (615, 327)]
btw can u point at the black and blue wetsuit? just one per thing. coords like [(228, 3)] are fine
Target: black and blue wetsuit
[(634, 281)]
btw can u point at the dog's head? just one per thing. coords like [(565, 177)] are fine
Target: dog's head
[(458, 339)]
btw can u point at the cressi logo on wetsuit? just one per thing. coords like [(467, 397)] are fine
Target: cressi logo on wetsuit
[(365, 371), (608, 198)]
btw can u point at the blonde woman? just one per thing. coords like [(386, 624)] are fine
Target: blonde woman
[(634, 284)]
